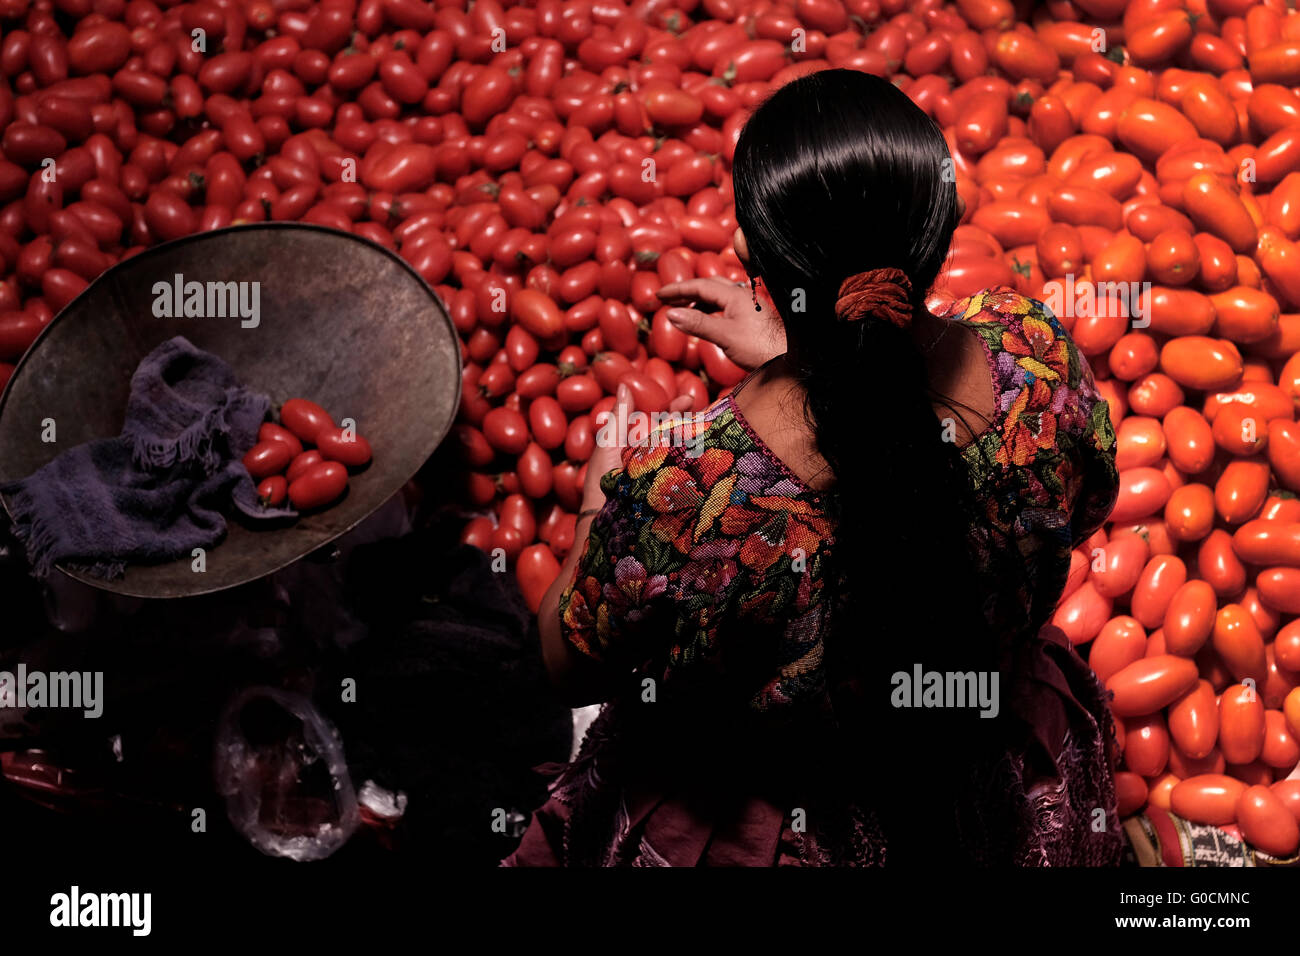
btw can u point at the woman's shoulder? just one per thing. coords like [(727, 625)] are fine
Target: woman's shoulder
[(1006, 319), (703, 449), (1035, 361)]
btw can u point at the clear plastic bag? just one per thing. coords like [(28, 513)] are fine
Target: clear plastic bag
[(279, 765)]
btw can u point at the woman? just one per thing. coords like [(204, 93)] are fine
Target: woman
[(888, 493)]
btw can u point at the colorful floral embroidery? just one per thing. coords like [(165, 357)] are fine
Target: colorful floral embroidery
[(706, 536), (709, 548), (1047, 466)]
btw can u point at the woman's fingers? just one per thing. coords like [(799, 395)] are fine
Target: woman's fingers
[(622, 407), (714, 291), (714, 327)]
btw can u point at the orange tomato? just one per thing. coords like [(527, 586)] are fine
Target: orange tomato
[(1172, 258), (1218, 264), (1289, 378), (1085, 205), (1139, 443), (1279, 588), (1146, 745), (1213, 54), (1163, 575), (1158, 790), (1287, 647), (1189, 439), (987, 14), (1050, 122), (1263, 28), (1148, 220), (1172, 83), (975, 240), (1284, 452), (1268, 401), (1217, 564), (1202, 363), (1082, 614), (1189, 513), (1121, 641), (1240, 430), (1241, 724), (1130, 792), (1184, 160), (1265, 618), (1279, 259), (1277, 157), (1248, 273), (1142, 492), (1154, 532), (1025, 56), (1279, 63), (1257, 368), (1268, 542), (1194, 721), (1281, 506), (1272, 107), (1183, 766), (1069, 40), (1177, 311), (1012, 223), (1283, 209), (1217, 209), (1289, 792), (1244, 314), (1070, 155), (1189, 618), (1060, 250), (1146, 686), (1123, 259), (1241, 490), (1116, 174), (1267, 823), (1134, 355), (1280, 681), (1207, 798), (1240, 646), (1211, 112), (1291, 710), (1011, 156), (1148, 127), (1122, 562), (1280, 750), (1159, 39), (982, 124)]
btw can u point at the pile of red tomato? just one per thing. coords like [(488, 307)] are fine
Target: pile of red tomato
[(311, 478), (548, 166)]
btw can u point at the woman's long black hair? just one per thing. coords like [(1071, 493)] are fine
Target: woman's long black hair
[(836, 173)]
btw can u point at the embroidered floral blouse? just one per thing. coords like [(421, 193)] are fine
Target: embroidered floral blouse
[(709, 549), (705, 569)]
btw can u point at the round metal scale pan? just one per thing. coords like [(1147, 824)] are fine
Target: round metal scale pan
[(342, 321)]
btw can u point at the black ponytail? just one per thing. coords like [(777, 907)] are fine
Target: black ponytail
[(835, 174)]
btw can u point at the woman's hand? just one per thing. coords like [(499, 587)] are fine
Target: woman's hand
[(608, 453), (749, 337)]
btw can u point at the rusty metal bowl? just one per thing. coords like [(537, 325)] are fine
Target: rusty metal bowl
[(343, 322)]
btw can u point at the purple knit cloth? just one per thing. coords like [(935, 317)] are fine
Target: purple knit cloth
[(155, 492)]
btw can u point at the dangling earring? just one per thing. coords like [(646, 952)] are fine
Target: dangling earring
[(753, 283)]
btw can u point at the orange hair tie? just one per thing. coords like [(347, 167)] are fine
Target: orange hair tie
[(882, 293)]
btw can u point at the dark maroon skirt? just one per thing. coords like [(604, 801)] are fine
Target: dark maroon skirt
[(1049, 803)]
